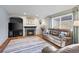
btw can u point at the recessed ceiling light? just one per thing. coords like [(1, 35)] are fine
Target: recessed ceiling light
[(24, 13)]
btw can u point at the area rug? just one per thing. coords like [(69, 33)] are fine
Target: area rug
[(30, 44)]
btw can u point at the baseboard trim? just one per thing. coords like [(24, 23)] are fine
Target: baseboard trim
[(3, 46)]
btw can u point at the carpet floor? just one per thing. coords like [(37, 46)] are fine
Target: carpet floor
[(30, 44)]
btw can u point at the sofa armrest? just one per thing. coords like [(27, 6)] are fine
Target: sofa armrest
[(67, 40)]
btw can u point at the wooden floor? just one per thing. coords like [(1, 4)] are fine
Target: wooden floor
[(30, 44)]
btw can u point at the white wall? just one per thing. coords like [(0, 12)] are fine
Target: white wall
[(24, 23), (3, 25), (38, 29)]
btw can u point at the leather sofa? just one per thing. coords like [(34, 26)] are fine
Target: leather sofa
[(53, 37), (74, 48)]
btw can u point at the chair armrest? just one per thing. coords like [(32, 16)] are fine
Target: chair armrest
[(48, 50)]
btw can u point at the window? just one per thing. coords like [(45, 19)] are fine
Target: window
[(63, 22), (66, 22), (56, 23), (50, 23), (69, 17)]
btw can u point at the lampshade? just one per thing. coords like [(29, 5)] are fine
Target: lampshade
[(76, 23)]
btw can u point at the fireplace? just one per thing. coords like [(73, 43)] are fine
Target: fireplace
[(30, 30)]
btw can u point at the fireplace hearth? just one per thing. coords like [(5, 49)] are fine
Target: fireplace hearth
[(30, 30)]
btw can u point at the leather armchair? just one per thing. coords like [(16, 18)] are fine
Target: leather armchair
[(74, 48)]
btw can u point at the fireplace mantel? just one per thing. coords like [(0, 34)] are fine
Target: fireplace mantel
[(29, 26)]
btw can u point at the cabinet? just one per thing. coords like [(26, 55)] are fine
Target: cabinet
[(15, 27)]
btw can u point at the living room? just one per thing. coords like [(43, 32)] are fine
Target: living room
[(39, 29)]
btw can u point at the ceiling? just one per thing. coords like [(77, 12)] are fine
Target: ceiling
[(36, 10)]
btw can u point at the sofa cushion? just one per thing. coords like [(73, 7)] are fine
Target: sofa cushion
[(68, 34), (56, 38), (62, 34), (55, 33)]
